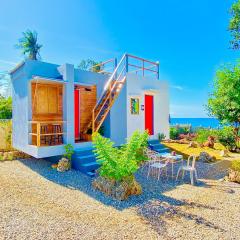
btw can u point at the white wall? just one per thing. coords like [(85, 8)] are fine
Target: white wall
[(138, 86)]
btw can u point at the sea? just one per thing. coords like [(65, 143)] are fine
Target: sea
[(196, 122)]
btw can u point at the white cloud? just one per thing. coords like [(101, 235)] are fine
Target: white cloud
[(177, 87), (7, 62)]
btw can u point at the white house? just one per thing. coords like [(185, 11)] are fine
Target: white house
[(55, 105)]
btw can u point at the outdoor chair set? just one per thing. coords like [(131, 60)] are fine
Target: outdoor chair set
[(158, 163)]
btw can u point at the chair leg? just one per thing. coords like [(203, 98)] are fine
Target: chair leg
[(183, 173), (159, 172), (178, 173), (148, 172), (191, 177), (196, 175)]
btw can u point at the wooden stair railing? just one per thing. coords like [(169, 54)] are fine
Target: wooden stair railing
[(111, 91)]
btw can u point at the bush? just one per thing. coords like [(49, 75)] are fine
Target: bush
[(119, 163), (227, 138), (161, 136), (203, 134), (6, 135), (5, 108), (235, 165), (173, 133)]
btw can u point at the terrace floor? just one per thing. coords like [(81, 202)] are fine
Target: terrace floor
[(37, 202)]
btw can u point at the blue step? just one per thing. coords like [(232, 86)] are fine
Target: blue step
[(153, 141), (165, 150), (84, 160)]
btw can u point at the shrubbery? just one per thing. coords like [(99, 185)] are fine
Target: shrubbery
[(119, 163), (235, 165)]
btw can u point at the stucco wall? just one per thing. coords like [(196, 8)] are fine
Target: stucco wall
[(138, 86)]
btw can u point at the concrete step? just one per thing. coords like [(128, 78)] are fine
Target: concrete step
[(152, 141), (83, 152), (84, 159), (164, 150), (88, 167), (91, 174)]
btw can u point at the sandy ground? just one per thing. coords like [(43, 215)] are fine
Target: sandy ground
[(38, 203)]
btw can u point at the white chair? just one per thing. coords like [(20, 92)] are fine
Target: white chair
[(150, 154), (158, 165), (190, 167)]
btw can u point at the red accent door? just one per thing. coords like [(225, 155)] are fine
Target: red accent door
[(149, 114), (77, 114)]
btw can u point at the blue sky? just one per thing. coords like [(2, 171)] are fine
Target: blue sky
[(189, 38)]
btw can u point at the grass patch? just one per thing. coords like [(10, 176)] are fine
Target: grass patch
[(184, 150), (236, 165)]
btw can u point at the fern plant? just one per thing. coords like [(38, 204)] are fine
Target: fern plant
[(119, 163)]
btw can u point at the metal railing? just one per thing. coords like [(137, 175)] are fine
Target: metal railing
[(106, 67)]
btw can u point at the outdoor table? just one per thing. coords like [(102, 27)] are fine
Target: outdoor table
[(172, 159)]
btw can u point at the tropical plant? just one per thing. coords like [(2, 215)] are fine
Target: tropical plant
[(161, 136), (90, 65), (173, 133), (227, 138), (119, 163), (224, 102), (234, 25), (5, 107), (29, 45), (69, 152)]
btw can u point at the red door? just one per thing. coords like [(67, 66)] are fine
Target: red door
[(149, 114), (77, 114)]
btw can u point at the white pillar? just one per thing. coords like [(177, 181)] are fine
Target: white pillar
[(67, 71)]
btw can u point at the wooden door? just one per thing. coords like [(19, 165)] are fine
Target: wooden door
[(77, 113), (149, 114)]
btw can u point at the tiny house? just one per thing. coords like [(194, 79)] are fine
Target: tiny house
[(54, 105)]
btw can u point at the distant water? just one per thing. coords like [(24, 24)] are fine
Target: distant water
[(197, 122)]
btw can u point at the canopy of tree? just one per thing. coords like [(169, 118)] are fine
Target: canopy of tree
[(5, 107), (234, 25), (29, 45)]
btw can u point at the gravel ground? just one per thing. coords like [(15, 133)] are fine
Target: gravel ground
[(37, 202)]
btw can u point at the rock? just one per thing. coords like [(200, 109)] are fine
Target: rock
[(120, 190), (210, 142), (192, 145), (224, 153), (234, 176), (63, 165), (205, 157)]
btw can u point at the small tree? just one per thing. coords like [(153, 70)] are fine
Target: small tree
[(234, 25), (224, 102), (29, 45), (5, 107), (90, 64)]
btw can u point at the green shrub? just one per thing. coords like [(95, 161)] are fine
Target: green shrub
[(119, 163), (161, 136), (69, 152), (202, 134), (227, 138), (235, 165), (173, 133)]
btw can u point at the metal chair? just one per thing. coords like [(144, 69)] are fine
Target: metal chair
[(190, 167), (158, 165)]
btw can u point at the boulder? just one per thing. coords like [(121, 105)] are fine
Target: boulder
[(234, 176), (210, 142), (63, 165), (192, 145), (119, 190), (224, 153), (205, 157)]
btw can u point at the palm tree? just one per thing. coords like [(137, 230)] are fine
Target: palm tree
[(29, 46)]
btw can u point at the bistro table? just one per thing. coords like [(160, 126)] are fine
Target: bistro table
[(173, 159)]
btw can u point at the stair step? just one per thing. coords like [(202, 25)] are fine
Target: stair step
[(83, 152), (165, 150), (84, 159), (152, 141), (91, 173), (88, 167)]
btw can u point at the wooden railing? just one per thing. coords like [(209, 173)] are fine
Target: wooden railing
[(49, 132)]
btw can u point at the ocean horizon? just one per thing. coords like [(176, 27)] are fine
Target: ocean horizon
[(196, 122)]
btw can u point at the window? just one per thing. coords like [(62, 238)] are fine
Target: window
[(134, 104)]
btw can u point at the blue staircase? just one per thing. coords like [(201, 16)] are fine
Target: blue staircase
[(84, 160), (157, 146)]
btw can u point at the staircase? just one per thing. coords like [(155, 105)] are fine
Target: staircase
[(84, 160), (157, 146), (110, 93)]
